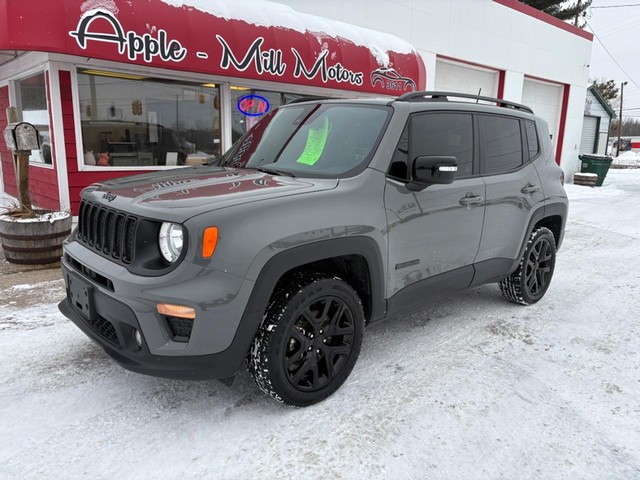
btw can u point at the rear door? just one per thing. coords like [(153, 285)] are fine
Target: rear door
[(434, 232), (513, 190)]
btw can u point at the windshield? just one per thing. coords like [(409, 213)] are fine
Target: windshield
[(323, 140)]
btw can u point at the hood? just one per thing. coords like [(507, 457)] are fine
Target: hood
[(180, 194)]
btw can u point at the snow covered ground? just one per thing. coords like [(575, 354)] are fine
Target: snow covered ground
[(471, 387)]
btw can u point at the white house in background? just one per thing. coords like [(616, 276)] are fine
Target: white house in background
[(597, 118)]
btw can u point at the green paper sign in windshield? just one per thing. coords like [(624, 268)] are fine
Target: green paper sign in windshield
[(316, 140)]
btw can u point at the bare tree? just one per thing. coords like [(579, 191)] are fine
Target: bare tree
[(630, 127)]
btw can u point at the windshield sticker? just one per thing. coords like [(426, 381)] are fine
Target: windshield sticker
[(316, 140)]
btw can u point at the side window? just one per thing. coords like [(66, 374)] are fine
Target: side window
[(532, 139), (502, 143), (444, 134)]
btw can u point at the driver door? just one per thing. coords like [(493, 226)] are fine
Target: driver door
[(433, 234)]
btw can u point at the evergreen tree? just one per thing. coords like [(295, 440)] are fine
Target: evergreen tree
[(607, 88), (562, 9)]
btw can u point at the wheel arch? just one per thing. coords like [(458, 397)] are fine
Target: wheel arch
[(291, 260), (552, 216)]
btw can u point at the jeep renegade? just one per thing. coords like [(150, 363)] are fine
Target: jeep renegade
[(326, 216)]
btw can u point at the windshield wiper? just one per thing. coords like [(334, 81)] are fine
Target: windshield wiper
[(274, 171)]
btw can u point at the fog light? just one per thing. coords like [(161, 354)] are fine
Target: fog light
[(137, 336)]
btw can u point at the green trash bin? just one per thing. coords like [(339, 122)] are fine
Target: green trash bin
[(598, 164)]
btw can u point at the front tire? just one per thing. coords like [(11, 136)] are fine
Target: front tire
[(309, 340), (530, 281)]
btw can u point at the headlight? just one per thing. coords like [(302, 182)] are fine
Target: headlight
[(170, 241)]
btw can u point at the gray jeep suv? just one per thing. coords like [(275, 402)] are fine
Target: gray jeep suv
[(326, 216)]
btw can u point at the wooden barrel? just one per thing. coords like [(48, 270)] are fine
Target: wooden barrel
[(34, 241)]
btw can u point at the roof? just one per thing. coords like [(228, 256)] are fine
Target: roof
[(596, 93)]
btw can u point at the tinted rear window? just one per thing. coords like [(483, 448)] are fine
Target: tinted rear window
[(502, 143)]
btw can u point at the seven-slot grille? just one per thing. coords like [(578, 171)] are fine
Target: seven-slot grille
[(108, 231)]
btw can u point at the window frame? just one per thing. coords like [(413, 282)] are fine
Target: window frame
[(224, 84), (16, 100)]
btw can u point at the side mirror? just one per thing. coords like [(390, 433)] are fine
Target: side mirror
[(429, 170)]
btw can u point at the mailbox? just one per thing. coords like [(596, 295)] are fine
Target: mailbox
[(21, 136)]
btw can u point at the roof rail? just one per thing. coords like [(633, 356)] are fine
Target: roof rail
[(308, 99), (444, 97)]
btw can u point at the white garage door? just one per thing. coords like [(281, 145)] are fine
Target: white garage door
[(589, 132), (546, 101), (461, 78)]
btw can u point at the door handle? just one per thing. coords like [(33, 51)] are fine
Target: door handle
[(530, 189), (471, 200)]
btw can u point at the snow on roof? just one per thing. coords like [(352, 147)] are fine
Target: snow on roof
[(263, 13)]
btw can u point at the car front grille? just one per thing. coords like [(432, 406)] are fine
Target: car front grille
[(107, 231)]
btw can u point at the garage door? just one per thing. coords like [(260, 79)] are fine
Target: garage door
[(589, 133), (546, 101), (461, 78)]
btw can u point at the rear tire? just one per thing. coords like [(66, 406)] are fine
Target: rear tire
[(309, 340), (530, 281)]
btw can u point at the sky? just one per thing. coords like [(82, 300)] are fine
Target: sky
[(618, 28)]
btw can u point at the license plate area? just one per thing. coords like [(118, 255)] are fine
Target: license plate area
[(80, 295)]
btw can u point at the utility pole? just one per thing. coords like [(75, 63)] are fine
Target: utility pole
[(620, 118), (575, 20)]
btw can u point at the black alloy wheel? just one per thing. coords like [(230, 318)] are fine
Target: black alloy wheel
[(309, 341), (319, 343), (530, 281), (539, 267)]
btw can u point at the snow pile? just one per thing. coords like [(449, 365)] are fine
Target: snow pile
[(269, 14), (44, 216), (627, 159)]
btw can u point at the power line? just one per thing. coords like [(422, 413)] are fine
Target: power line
[(620, 6), (612, 57)]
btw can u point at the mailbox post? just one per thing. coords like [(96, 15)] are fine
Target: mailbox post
[(21, 138)]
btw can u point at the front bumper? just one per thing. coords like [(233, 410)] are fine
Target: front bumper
[(110, 311), (141, 360)]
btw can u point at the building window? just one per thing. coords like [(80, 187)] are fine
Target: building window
[(249, 105), (135, 121), (31, 94)]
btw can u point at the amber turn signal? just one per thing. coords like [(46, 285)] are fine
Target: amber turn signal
[(179, 311), (209, 241)]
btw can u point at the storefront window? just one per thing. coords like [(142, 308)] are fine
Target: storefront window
[(248, 106), (31, 93), (133, 121)]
